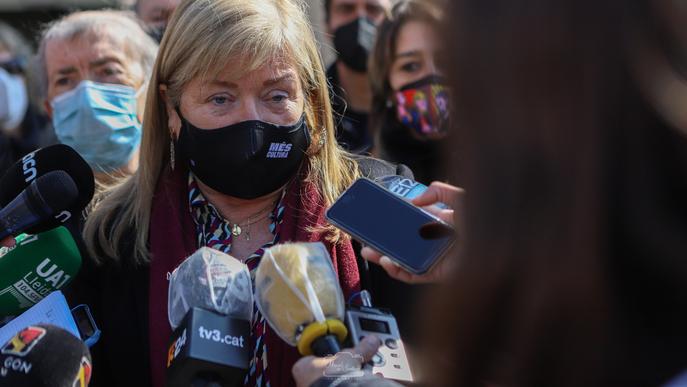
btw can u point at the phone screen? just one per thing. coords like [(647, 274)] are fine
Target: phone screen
[(389, 224)]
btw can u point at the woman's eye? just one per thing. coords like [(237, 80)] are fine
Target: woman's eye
[(62, 81), (219, 100), (411, 67), (278, 97)]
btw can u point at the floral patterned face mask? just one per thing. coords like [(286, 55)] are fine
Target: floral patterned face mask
[(423, 106)]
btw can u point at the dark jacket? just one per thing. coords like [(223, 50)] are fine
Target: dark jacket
[(118, 297), (352, 129), (35, 132), (7, 157)]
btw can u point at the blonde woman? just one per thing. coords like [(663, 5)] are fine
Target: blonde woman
[(238, 153)]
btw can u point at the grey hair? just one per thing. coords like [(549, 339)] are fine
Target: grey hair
[(138, 45), (14, 41)]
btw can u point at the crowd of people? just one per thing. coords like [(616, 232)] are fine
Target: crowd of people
[(561, 122)]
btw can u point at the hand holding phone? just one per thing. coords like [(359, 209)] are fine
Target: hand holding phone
[(391, 225), (437, 192)]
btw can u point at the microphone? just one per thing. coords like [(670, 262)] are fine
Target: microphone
[(43, 198), (44, 355), (298, 292), (58, 157), (38, 265), (210, 305)]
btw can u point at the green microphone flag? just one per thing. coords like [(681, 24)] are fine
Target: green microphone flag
[(37, 266)]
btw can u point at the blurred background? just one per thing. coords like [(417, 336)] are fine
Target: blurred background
[(28, 15)]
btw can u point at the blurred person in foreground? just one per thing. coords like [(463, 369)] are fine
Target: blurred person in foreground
[(410, 99), (155, 15), (23, 128), (92, 69), (352, 25), (238, 154), (574, 159)]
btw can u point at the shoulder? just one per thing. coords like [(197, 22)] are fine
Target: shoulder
[(372, 168)]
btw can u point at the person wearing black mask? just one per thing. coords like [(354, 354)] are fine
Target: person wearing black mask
[(353, 25), (238, 154), (410, 115), (155, 14)]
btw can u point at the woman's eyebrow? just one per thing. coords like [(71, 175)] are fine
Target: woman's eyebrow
[(283, 78), (225, 84), (408, 54)]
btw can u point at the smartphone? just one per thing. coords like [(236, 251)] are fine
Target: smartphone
[(391, 225)]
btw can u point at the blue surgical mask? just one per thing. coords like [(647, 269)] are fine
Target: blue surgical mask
[(14, 100), (99, 120)]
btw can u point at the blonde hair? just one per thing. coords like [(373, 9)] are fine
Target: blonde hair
[(202, 36)]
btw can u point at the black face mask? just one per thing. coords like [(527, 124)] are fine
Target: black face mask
[(246, 160), (354, 42)]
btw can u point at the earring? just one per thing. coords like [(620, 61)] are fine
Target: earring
[(171, 154), (389, 103)]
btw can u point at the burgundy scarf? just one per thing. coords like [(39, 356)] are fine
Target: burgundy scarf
[(173, 238)]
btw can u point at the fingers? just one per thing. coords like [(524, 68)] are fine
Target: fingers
[(395, 271), (439, 192), (308, 369), (370, 254), (367, 347), (443, 214), (392, 269), (7, 242)]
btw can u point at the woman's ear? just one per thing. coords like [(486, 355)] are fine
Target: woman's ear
[(173, 119), (48, 108)]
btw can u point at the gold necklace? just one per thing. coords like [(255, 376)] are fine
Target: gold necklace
[(237, 228)]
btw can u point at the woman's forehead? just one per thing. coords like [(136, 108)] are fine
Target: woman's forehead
[(238, 72)]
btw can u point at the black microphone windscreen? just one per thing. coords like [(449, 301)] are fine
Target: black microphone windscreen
[(56, 190), (57, 157), (44, 355)]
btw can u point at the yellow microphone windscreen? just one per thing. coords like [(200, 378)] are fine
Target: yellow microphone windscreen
[(295, 285)]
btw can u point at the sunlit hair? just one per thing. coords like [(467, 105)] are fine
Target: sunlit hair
[(138, 46), (384, 51), (201, 38)]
